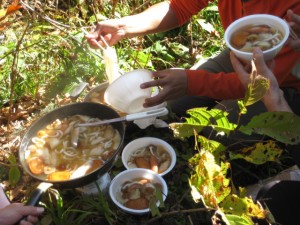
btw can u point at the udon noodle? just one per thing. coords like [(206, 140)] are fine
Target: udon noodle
[(51, 156), (257, 35)]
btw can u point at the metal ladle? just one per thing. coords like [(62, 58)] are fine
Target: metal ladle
[(130, 117)]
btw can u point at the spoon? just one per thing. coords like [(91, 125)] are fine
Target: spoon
[(130, 117)]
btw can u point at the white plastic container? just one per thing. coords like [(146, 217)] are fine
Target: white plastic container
[(129, 175), (270, 20), (136, 144), (124, 93)]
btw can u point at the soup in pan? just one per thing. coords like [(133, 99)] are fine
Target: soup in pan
[(51, 156), (259, 35)]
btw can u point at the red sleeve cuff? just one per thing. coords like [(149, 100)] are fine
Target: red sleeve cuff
[(217, 86)]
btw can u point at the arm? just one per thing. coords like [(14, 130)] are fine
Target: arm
[(273, 99), (159, 17)]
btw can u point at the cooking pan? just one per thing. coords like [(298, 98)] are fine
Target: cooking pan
[(95, 110)]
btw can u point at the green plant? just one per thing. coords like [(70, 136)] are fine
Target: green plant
[(211, 165), (83, 209)]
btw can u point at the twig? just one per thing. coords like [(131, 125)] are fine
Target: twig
[(246, 171), (190, 220), (57, 25), (45, 17), (141, 6), (181, 199), (14, 72)]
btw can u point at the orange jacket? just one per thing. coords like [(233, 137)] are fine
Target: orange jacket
[(228, 86)]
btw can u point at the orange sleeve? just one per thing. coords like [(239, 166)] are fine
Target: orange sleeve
[(214, 85), (184, 9)]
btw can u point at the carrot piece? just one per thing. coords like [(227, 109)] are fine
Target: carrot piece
[(141, 162), (59, 176), (36, 165)]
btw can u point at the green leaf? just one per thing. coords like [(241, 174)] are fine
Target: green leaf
[(238, 220), (209, 181), (216, 148), (256, 90), (258, 154), (200, 118), (242, 206), (282, 126), (153, 203), (12, 160), (159, 197), (14, 175), (179, 49), (206, 26)]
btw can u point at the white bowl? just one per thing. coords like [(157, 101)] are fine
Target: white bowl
[(128, 175), (270, 20), (125, 94), (139, 143)]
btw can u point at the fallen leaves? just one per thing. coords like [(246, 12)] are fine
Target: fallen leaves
[(4, 13)]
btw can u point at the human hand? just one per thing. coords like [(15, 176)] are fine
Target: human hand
[(111, 30), (263, 68), (273, 99), (14, 212), (295, 25), (173, 84)]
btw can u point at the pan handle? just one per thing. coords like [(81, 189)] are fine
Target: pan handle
[(146, 114), (37, 193), (130, 117)]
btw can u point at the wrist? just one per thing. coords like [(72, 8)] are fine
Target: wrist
[(275, 101)]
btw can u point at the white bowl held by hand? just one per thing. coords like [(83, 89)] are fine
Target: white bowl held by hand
[(125, 94), (137, 153), (273, 22), (133, 177)]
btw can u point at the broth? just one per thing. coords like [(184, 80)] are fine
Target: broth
[(257, 35), (51, 156), (156, 158)]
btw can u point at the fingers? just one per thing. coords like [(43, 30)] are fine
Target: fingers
[(154, 83), (29, 210), (261, 66), (33, 213), (240, 70), (158, 81), (293, 17), (30, 220), (237, 65), (156, 100), (294, 23)]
